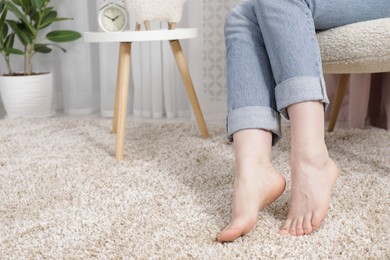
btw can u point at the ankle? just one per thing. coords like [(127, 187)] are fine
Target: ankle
[(249, 164), (251, 159), (317, 157)]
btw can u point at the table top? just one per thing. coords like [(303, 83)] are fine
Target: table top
[(140, 36)]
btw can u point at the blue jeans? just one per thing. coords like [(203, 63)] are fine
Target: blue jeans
[(273, 58)]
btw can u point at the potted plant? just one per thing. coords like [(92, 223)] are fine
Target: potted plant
[(28, 93)]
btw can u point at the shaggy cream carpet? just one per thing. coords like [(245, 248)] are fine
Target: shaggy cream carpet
[(64, 196)]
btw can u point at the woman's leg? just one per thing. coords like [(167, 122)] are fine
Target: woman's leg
[(290, 38), (313, 173), (289, 35), (256, 184), (333, 13), (289, 28), (273, 43), (253, 122)]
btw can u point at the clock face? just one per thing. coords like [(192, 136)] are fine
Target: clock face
[(112, 18)]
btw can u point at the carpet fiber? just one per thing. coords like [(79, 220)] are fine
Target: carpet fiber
[(63, 195)]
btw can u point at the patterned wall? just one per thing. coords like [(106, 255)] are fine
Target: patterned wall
[(214, 68)]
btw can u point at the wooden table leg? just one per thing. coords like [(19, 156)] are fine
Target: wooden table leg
[(337, 101), (123, 91), (115, 119), (181, 63)]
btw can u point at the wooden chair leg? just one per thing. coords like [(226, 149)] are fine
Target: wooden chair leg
[(337, 101), (147, 25), (124, 76), (181, 63), (386, 96), (171, 26)]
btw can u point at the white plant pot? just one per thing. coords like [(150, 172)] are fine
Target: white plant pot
[(27, 96)]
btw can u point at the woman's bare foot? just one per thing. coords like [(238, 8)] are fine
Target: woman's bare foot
[(313, 178), (256, 185), (313, 173)]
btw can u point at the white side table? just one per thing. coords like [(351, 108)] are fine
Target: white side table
[(126, 39)]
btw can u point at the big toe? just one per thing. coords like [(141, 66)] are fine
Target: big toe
[(236, 229), (316, 220), (285, 230), (230, 234)]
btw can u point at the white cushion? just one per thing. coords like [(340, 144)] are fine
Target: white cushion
[(155, 10), (362, 47)]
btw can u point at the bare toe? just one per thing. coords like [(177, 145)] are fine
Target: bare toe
[(299, 227), (316, 220), (293, 226), (234, 231), (286, 227), (229, 235), (307, 228)]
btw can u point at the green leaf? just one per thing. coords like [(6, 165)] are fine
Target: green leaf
[(59, 47), (2, 23), (3, 31), (20, 15), (49, 21), (35, 19), (55, 45), (48, 15), (26, 6), (47, 10), (2, 5), (63, 36), (17, 2), (38, 4), (12, 51), (42, 48), (9, 41), (23, 34)]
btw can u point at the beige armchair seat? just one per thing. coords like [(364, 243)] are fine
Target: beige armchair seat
[(362, 47)]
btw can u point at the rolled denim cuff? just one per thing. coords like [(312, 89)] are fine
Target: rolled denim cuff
[(254, 117), (300, 89)]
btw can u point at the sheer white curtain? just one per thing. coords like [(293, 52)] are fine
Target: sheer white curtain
[(85, 76)]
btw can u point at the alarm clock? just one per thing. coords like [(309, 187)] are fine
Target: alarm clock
[(113, 16)]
